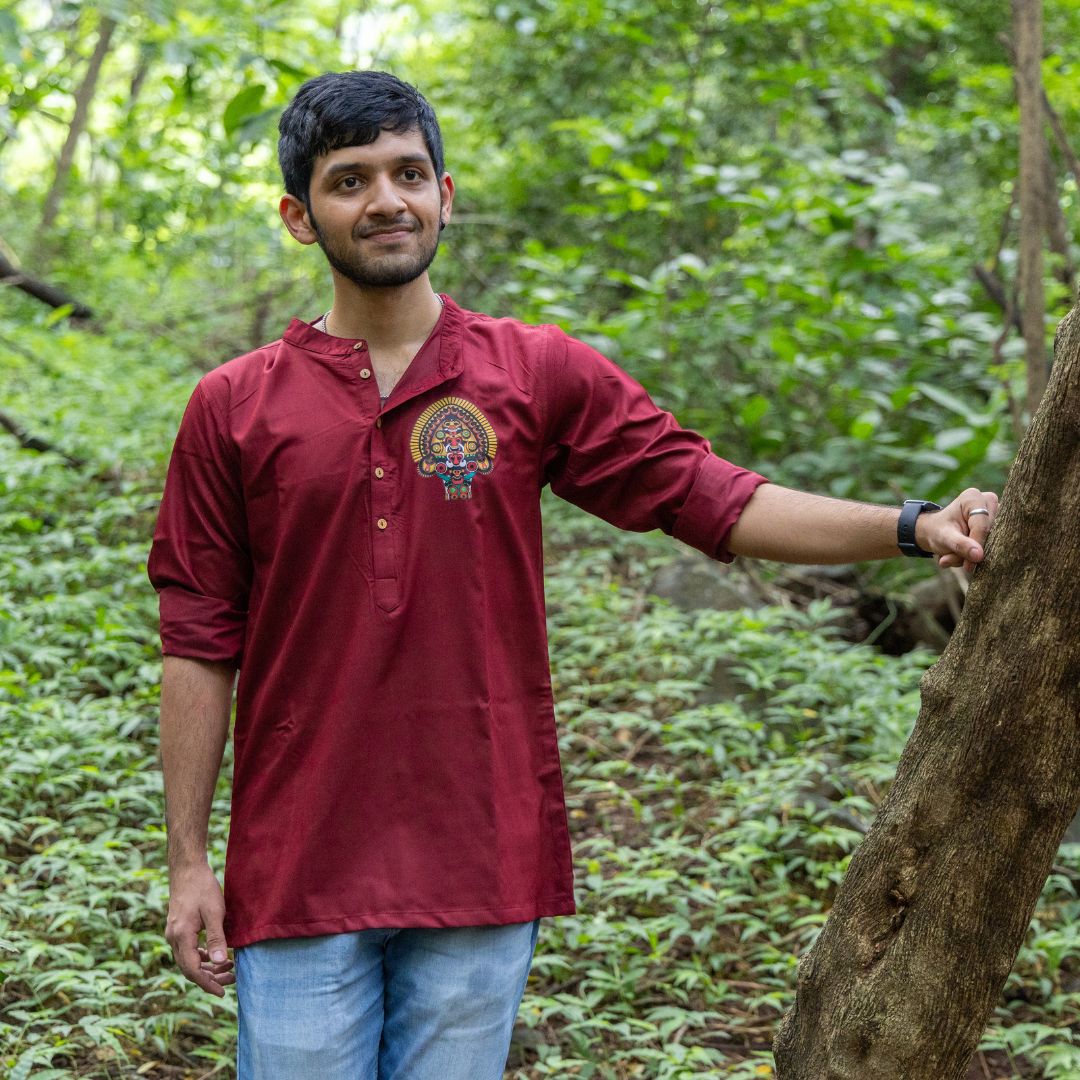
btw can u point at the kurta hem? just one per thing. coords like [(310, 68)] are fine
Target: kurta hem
[(392, 920)]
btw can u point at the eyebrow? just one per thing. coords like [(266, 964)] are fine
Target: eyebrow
[(360, 166)]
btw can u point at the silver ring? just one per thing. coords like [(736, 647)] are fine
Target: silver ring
[(978, 510)]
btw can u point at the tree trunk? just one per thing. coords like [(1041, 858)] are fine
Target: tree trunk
[(1027, 29), (83, 96), (130, 125), (933, 910)]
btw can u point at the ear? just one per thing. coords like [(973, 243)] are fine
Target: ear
[(446, 198), (297, 220)]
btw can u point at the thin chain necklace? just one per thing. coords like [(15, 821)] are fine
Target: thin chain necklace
[(320, 324)]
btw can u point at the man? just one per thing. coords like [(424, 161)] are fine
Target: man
[(351, 517)]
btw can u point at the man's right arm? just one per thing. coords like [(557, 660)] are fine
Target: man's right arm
[(196, 700)]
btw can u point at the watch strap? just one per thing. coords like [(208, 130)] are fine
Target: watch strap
[(905, 527)]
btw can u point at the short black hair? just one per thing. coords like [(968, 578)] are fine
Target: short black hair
[(350, 108)]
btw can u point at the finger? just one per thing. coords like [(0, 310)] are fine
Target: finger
[(216, 945), (186, 954), (979, 524), (185, 950), (948, 561), (222, 975), (220, 971), (980, 500), (216, 969), (204, 957), (959, 547), (208, 983)]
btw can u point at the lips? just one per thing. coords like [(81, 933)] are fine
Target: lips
[(388, 235)]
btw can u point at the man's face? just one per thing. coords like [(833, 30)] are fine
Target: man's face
[(376, 210)]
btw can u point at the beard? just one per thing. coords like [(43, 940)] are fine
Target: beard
[(387, 270)]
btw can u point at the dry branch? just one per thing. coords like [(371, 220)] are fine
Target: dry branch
[(1027, 25), (33, 442), (41, 290), (1060, 138), (995, 289)]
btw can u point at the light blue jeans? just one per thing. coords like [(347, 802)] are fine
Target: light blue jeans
[(412, 1004)]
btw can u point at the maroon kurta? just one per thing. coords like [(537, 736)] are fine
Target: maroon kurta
[(377, 573)]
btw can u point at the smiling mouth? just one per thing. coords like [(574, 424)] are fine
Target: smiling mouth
[(388, 236)]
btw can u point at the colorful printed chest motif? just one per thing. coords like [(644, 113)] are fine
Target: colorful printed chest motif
[(453, 440)]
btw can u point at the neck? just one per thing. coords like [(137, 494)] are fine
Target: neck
[(386, 317)]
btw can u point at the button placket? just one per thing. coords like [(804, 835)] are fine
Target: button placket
[(366, 375), (384, 527)]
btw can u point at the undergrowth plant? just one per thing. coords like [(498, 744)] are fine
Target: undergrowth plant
[(720, 769)]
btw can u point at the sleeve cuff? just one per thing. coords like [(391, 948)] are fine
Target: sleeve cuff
[(201, 627), (714, 504)]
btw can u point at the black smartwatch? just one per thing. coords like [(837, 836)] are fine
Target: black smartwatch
[(905, 527)]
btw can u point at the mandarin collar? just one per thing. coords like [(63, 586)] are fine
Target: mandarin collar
[(440, 357)]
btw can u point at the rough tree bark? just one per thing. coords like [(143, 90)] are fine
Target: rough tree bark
[(933, 910), (1027, 30)]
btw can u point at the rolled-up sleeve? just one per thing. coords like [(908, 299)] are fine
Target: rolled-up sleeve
[(610, 450), (200, 562)]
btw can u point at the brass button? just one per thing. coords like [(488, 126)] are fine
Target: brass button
[(381, 523), (378, 421), (365, 373), (379, 472)]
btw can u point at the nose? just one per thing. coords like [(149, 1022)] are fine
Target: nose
[(384, 198)]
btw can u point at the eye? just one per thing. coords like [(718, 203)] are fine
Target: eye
[(349, 182), (412, 175)]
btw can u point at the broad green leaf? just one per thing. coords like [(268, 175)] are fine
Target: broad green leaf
[(243, 106)]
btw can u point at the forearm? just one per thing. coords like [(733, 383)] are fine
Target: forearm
[(196, 698), (797, 527), (794, 526)]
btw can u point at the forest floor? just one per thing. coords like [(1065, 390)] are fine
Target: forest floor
[(720, 768)]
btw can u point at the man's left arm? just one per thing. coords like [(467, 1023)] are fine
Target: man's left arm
[(796, 527)]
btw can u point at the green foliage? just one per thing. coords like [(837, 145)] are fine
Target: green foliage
[(711, 828), (769, 214), (87, 977)]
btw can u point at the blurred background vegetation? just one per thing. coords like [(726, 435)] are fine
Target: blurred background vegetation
[(794, 220)]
